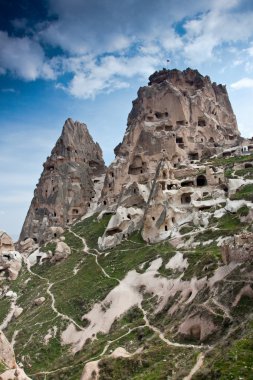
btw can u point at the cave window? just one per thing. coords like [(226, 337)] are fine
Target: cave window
[(54, 213), (201, 181), (173, 219), (165, 228), (193, 156), (150, 118), (169, 187), (187, 184), (180, 122), (163, 185), (164, 174), (55, 235), (179, 140), (104, 203), (153, 218), (166, 114), (112, 174), (89, 204), (134, 191), (201, 122), (248, 165), (158, 115), (129, 216), (168, 128), (75, 211), (35, 240), (186, 198)]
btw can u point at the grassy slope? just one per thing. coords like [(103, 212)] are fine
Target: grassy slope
[(75, 295)]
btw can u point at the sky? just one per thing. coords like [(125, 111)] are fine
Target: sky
[(86, 59)]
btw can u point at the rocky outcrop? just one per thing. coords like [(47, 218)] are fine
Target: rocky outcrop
[(176, 121), (10, 260), (7, 359), (6, 243), (66, 187), (238, 248)]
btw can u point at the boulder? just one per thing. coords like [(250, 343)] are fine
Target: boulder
[(62, 251)]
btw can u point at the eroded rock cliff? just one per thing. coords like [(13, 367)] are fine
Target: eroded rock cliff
[(66, 188)]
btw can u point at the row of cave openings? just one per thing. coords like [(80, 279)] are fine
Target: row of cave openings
[(164, 115), (138, 166), (201, 181)]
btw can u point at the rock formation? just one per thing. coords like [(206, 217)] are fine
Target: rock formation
[(7, 359), (66, 188), (6, 243), (10, 260), (177, 120)]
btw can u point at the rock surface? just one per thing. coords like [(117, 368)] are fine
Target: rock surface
[(10, 260), (6, 243), (66, 186), (179, 119)]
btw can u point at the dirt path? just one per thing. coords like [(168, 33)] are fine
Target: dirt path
[(49, 286), (10, 314), (196, 367)]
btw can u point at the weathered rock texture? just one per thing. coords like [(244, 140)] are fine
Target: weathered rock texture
[(66, 187), (179, 119), (6, 243), (238, 248), (7, 358), (10, 260)]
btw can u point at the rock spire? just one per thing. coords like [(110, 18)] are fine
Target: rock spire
[(66, 187)]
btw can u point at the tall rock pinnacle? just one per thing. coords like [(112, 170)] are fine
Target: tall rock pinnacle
[(181, 116), (178, 120), (66, 187)]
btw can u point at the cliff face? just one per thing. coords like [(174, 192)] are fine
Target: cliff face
[(179, 119), (66, 187), (180, 116)]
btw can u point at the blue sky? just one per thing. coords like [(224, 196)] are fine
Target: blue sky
[(86, 59)]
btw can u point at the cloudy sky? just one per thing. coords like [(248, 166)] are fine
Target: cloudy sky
[(86, 59)]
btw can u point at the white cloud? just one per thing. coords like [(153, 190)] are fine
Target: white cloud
[(214, 29), (242, 84), (23, 57), (109, 74)]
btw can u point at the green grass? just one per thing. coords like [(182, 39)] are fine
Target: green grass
[(236, 362), (156, 362), (244, 192), (243, 211), (4, 308), (202, 261), (227, 225), (230, 160), (246, 173), (91, 229)]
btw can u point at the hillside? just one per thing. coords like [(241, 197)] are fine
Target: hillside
[(152, 280)]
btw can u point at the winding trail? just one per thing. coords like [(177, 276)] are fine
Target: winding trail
[(162, 337), (48, 291), (11, 312), (86, 250), (196, 367)]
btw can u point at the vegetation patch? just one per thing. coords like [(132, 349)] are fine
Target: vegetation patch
[(244, 192)]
